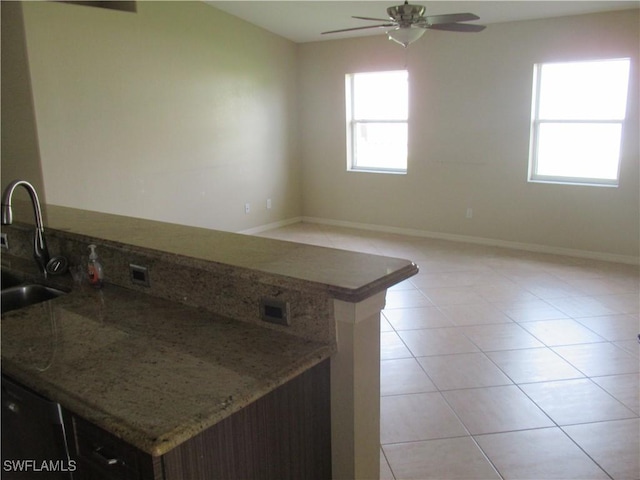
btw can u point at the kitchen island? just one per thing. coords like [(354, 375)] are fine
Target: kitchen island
[(197, 327), (153, 372), (157, 374)]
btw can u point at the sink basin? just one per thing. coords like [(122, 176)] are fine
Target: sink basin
[(24, 295)]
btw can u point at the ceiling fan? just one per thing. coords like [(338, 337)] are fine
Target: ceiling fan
[(407, 23)]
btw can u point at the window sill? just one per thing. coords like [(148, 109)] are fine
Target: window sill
[(376, 170), (578, 183)]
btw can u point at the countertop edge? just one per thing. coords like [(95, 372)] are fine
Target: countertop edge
[(380, 285), (184, 434)]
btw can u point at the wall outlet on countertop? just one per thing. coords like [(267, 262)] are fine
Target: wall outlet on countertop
[(275, 311)]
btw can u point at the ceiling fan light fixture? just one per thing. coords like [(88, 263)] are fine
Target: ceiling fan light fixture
[(405, 36), (407, 23)]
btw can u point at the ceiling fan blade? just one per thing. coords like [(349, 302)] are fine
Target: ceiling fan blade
[(457, 27), (386, 25), (374, 19), (450, 18)]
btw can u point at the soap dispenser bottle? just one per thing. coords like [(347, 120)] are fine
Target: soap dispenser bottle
[(94, 269)]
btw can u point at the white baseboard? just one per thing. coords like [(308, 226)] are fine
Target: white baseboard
[(271, 226), (529, 247)]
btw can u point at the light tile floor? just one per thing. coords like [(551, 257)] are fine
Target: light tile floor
[(498, 363)]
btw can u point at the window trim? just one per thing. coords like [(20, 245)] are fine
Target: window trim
[(352, 126), (535, 177)]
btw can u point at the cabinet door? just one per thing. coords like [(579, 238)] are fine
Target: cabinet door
[(33, 442), (102, 456)]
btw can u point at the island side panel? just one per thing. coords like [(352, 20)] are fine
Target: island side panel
[(284, 435)]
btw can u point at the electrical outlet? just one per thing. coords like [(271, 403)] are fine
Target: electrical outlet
[(268, 203), (139, 275), (275, 311), (469, 212), (247, 207)]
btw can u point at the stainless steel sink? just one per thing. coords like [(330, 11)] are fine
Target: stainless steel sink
[(24, 295)]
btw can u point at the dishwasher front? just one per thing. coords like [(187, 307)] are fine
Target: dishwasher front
[(33, 436)]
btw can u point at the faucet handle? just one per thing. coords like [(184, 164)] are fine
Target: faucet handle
[(57, 266)]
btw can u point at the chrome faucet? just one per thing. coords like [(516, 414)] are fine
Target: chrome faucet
[(40, 251)]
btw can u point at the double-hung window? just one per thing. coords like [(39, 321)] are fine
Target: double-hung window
[(377, 121), (578, 114)]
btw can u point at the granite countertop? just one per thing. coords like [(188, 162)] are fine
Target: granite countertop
[(153, 372), (345, 275)]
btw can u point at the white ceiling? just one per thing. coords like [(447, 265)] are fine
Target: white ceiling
[(304, 20)]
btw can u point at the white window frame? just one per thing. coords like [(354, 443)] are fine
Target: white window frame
[(536, 122), (353, 123)]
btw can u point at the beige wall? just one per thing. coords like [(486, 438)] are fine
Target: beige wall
[(469, 136), (183, 113), (20, 154), (178, 112)]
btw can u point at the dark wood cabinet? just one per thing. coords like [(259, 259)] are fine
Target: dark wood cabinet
[(284, 435), (33, 442), (99, 455)]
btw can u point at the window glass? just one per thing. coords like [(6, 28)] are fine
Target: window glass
[(577, 121), (584, 91), (579, 150), (377, 121), (382, 145), (380, 96)]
